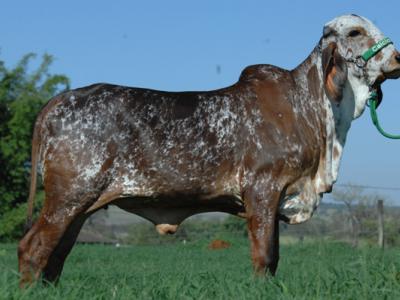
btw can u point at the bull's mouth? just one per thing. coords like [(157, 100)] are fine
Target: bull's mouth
[(392, 74)]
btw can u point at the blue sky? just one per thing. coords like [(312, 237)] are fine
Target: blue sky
[(202, 45)]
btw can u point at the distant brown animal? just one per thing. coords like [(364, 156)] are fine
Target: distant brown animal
[(265, 148), (219, 244)]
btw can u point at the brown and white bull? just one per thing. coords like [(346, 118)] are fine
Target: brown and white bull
[(265, 148)]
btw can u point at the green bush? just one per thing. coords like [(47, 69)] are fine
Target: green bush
[(22, 94)]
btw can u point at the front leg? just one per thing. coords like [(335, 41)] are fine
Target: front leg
[(262, 204)]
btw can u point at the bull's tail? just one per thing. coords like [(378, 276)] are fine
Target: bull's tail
[(32, 189)]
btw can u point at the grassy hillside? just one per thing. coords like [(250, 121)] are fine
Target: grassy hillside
[(317, 270)]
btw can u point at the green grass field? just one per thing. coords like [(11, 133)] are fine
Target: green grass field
[(317, 270)]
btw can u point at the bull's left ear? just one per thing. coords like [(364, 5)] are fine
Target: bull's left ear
[(334, 71)]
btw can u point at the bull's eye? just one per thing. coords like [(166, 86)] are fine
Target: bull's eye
[(354, 33)]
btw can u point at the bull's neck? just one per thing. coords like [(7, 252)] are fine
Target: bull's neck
[(309, 78), (351, 106), (312, 60), (338, 116)]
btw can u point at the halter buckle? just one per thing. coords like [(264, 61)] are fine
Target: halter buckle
[(360, 62)]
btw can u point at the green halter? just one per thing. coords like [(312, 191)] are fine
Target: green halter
[(371, 52), (373, 97)]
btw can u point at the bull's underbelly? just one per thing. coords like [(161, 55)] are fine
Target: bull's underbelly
[(172, 210), (166, 191)]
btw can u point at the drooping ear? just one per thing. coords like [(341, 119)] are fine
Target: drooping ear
[(334, 71)]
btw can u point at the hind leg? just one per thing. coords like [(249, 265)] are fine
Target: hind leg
[(55, 263), (58, 221), (36, 247)]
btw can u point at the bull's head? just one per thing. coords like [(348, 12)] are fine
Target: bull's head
[(345, 73)]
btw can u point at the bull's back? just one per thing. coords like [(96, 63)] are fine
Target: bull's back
[(141, 138)]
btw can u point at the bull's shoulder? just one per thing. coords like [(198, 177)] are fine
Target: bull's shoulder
[(264, 73)]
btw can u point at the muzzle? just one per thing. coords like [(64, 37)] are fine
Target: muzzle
[(373, 101), (361, 61)]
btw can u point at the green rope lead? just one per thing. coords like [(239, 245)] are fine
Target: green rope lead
[(372, 101)]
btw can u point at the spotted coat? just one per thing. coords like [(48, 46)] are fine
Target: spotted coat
[(265, 148)]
